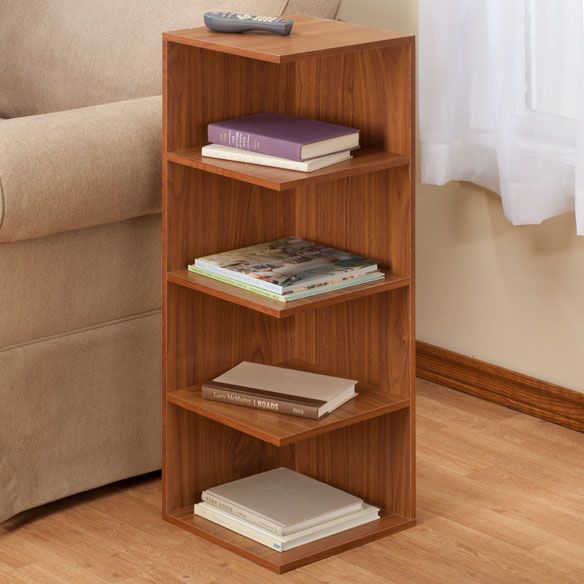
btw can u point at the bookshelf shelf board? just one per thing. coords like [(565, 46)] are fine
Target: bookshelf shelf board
[(279, 179), (281, 562), (311, 37), (279, 309), (280, 429)]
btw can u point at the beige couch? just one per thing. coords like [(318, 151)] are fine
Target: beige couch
[(80, 238)]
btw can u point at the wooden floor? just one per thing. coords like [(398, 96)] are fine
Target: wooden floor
[(500, 499)]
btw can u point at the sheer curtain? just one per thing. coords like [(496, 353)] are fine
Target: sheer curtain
[(502, 101)]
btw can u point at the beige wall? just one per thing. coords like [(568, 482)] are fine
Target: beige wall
[(513, 296)]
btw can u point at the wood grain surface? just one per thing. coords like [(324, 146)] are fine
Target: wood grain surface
[(278, 309), (523, 393), (310, 37), (281, 430), (279, 179)]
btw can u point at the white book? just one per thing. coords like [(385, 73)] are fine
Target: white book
[(282, 544), (238, 155), (282, 501)]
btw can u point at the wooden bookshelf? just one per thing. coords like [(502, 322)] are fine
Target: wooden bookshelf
[(335, 72)]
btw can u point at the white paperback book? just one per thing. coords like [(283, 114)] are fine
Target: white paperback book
[(238, 155), (282, 501), (282, 543)]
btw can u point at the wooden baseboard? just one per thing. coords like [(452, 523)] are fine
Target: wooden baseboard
[(514, 390)]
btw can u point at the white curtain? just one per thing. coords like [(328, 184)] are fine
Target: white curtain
[(502, 101)]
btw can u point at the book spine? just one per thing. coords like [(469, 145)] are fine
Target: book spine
[(237, 283), (323, 282), (209, 267), (249, 400), (241, 513), (238, 527), (219, 134)]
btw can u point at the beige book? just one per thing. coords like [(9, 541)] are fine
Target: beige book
[(282, 500), (286, 390)]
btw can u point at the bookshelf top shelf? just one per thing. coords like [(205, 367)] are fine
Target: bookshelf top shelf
[(310, 37)]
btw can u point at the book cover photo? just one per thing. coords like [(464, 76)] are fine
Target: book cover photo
[(287, 265)]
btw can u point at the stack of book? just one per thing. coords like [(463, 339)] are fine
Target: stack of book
[(281, 141), (283, 509), (281, 390), (288, 269)]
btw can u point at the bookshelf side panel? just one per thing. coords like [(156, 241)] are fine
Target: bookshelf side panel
[(205, 86), (368, 214), (403, 467), (370, 90), (366, 339), (370, 460), (208, 336), (356, 459), (202, 453), (207, 213)]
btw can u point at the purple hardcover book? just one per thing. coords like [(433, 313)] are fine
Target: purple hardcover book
[(284, 136)]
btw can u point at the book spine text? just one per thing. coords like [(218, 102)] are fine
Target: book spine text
[(249, 400), (218, 134), (238, 528), (241, 513), (237, 283)]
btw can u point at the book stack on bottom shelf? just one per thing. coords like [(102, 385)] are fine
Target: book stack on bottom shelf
[(283, 509)]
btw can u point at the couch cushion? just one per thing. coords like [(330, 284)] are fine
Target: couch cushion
[(63, 54), (53, 285)]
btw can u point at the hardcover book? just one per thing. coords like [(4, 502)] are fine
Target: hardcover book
[(277, 389), (287, 542), (287, 265), (282, 499), (283, 136), (237, 155)]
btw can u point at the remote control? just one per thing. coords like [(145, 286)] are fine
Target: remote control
[(232, 22)]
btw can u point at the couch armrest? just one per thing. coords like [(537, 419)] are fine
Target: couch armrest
[(79, 168)]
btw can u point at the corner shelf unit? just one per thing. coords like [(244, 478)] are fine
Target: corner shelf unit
[(340, 73)]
